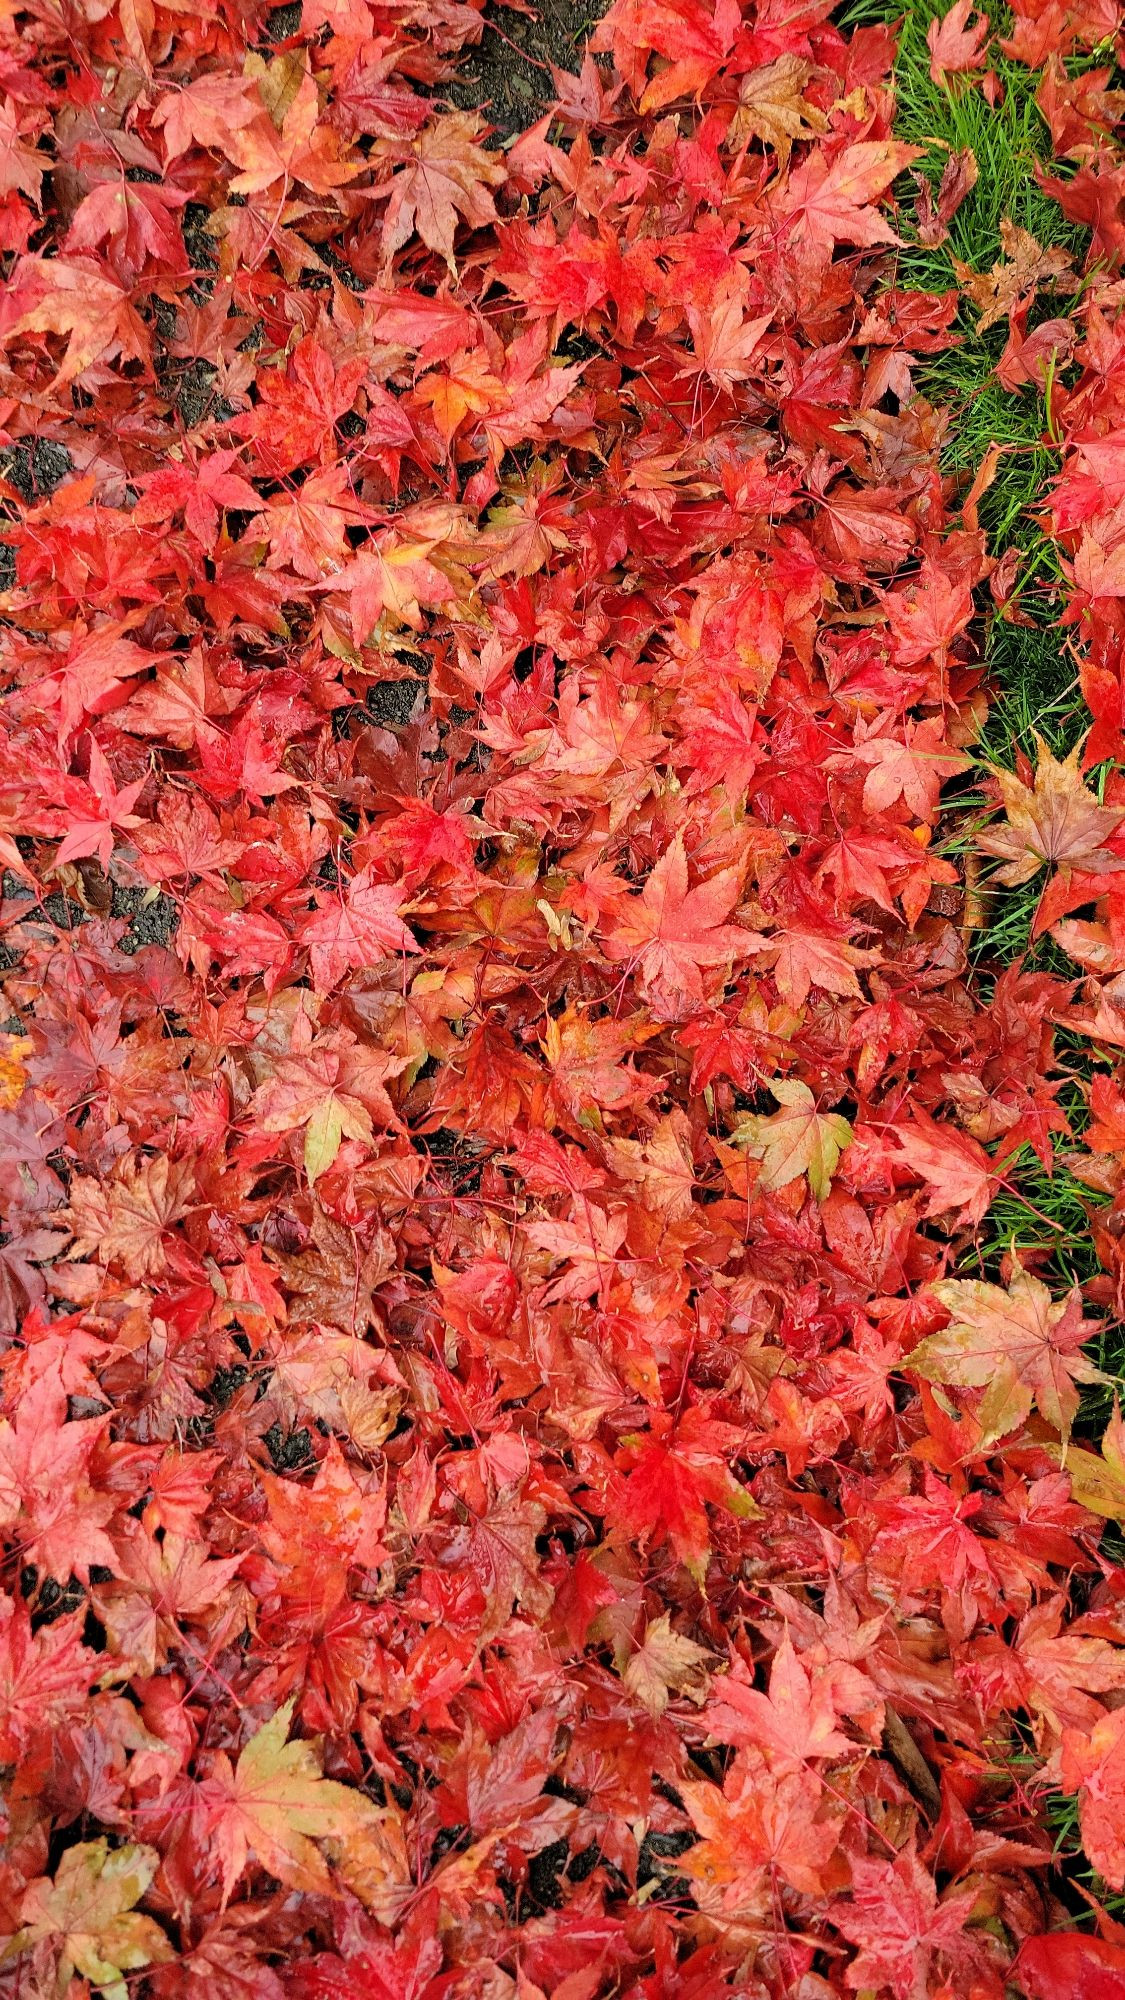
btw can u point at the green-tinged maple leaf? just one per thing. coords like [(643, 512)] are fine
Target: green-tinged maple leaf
[(274, 1805), (797, 1139), (87, 1912), (1097, 1478), (1020, 1346)]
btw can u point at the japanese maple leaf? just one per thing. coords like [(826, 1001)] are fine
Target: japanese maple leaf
[(772, 107), (926, 615), (175, 1572), (331, 1087), (391, 578), (87, 305), (183, 705), (826, 204), (666, 1661), (1058, 822), (911, 767), (725, 341), (661, 1167), (298, 407), (1093, 197), (180, 1487), (336, 1521), (956, 46), (764, 1824), (600, 736), (856, 863), (1016, 276), (184, 839), (1093, 1765), (1063, 1671), (866, 525), (959, 177), (127, 1220), (894, 1917), (956, 1169), (95, 808), (670, 931), (206, 111), (200, 489), (1021, 1346), (274, 1805), (45, 1676), (137, 222), (407, 1967), (498, 1549), (1098, 570), (924, 1538), (423, 838), (354, 927), (465, 388), (22, 165), (242, 761), (90, 679), (796, 1720), (307, 530), (797, 1139), (45, 1484), (444, 176), (589, 1245), (721, 739), (1059, 1964), (809, 954), (692, 37), (586, 1061), (1097, 1479), (672, 1483), (88, 1913)]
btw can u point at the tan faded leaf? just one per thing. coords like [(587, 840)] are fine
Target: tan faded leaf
[(1057, 821), (771, 107), (666, 1662)]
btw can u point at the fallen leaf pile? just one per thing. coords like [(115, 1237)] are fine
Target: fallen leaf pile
[(510, 1484)]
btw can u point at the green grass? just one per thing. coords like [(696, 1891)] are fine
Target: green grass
[(1009, 142), (1033, 684)]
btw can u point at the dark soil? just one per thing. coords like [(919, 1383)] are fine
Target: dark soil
[(35, 467), (508, 75), (153, 923), (392, 703)]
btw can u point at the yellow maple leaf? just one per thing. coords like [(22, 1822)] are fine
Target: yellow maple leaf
[(87, 1910), (275, 1804)]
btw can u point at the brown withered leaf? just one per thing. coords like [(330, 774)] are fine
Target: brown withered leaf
[(772, 108), (1023, 269), (959, 178)]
